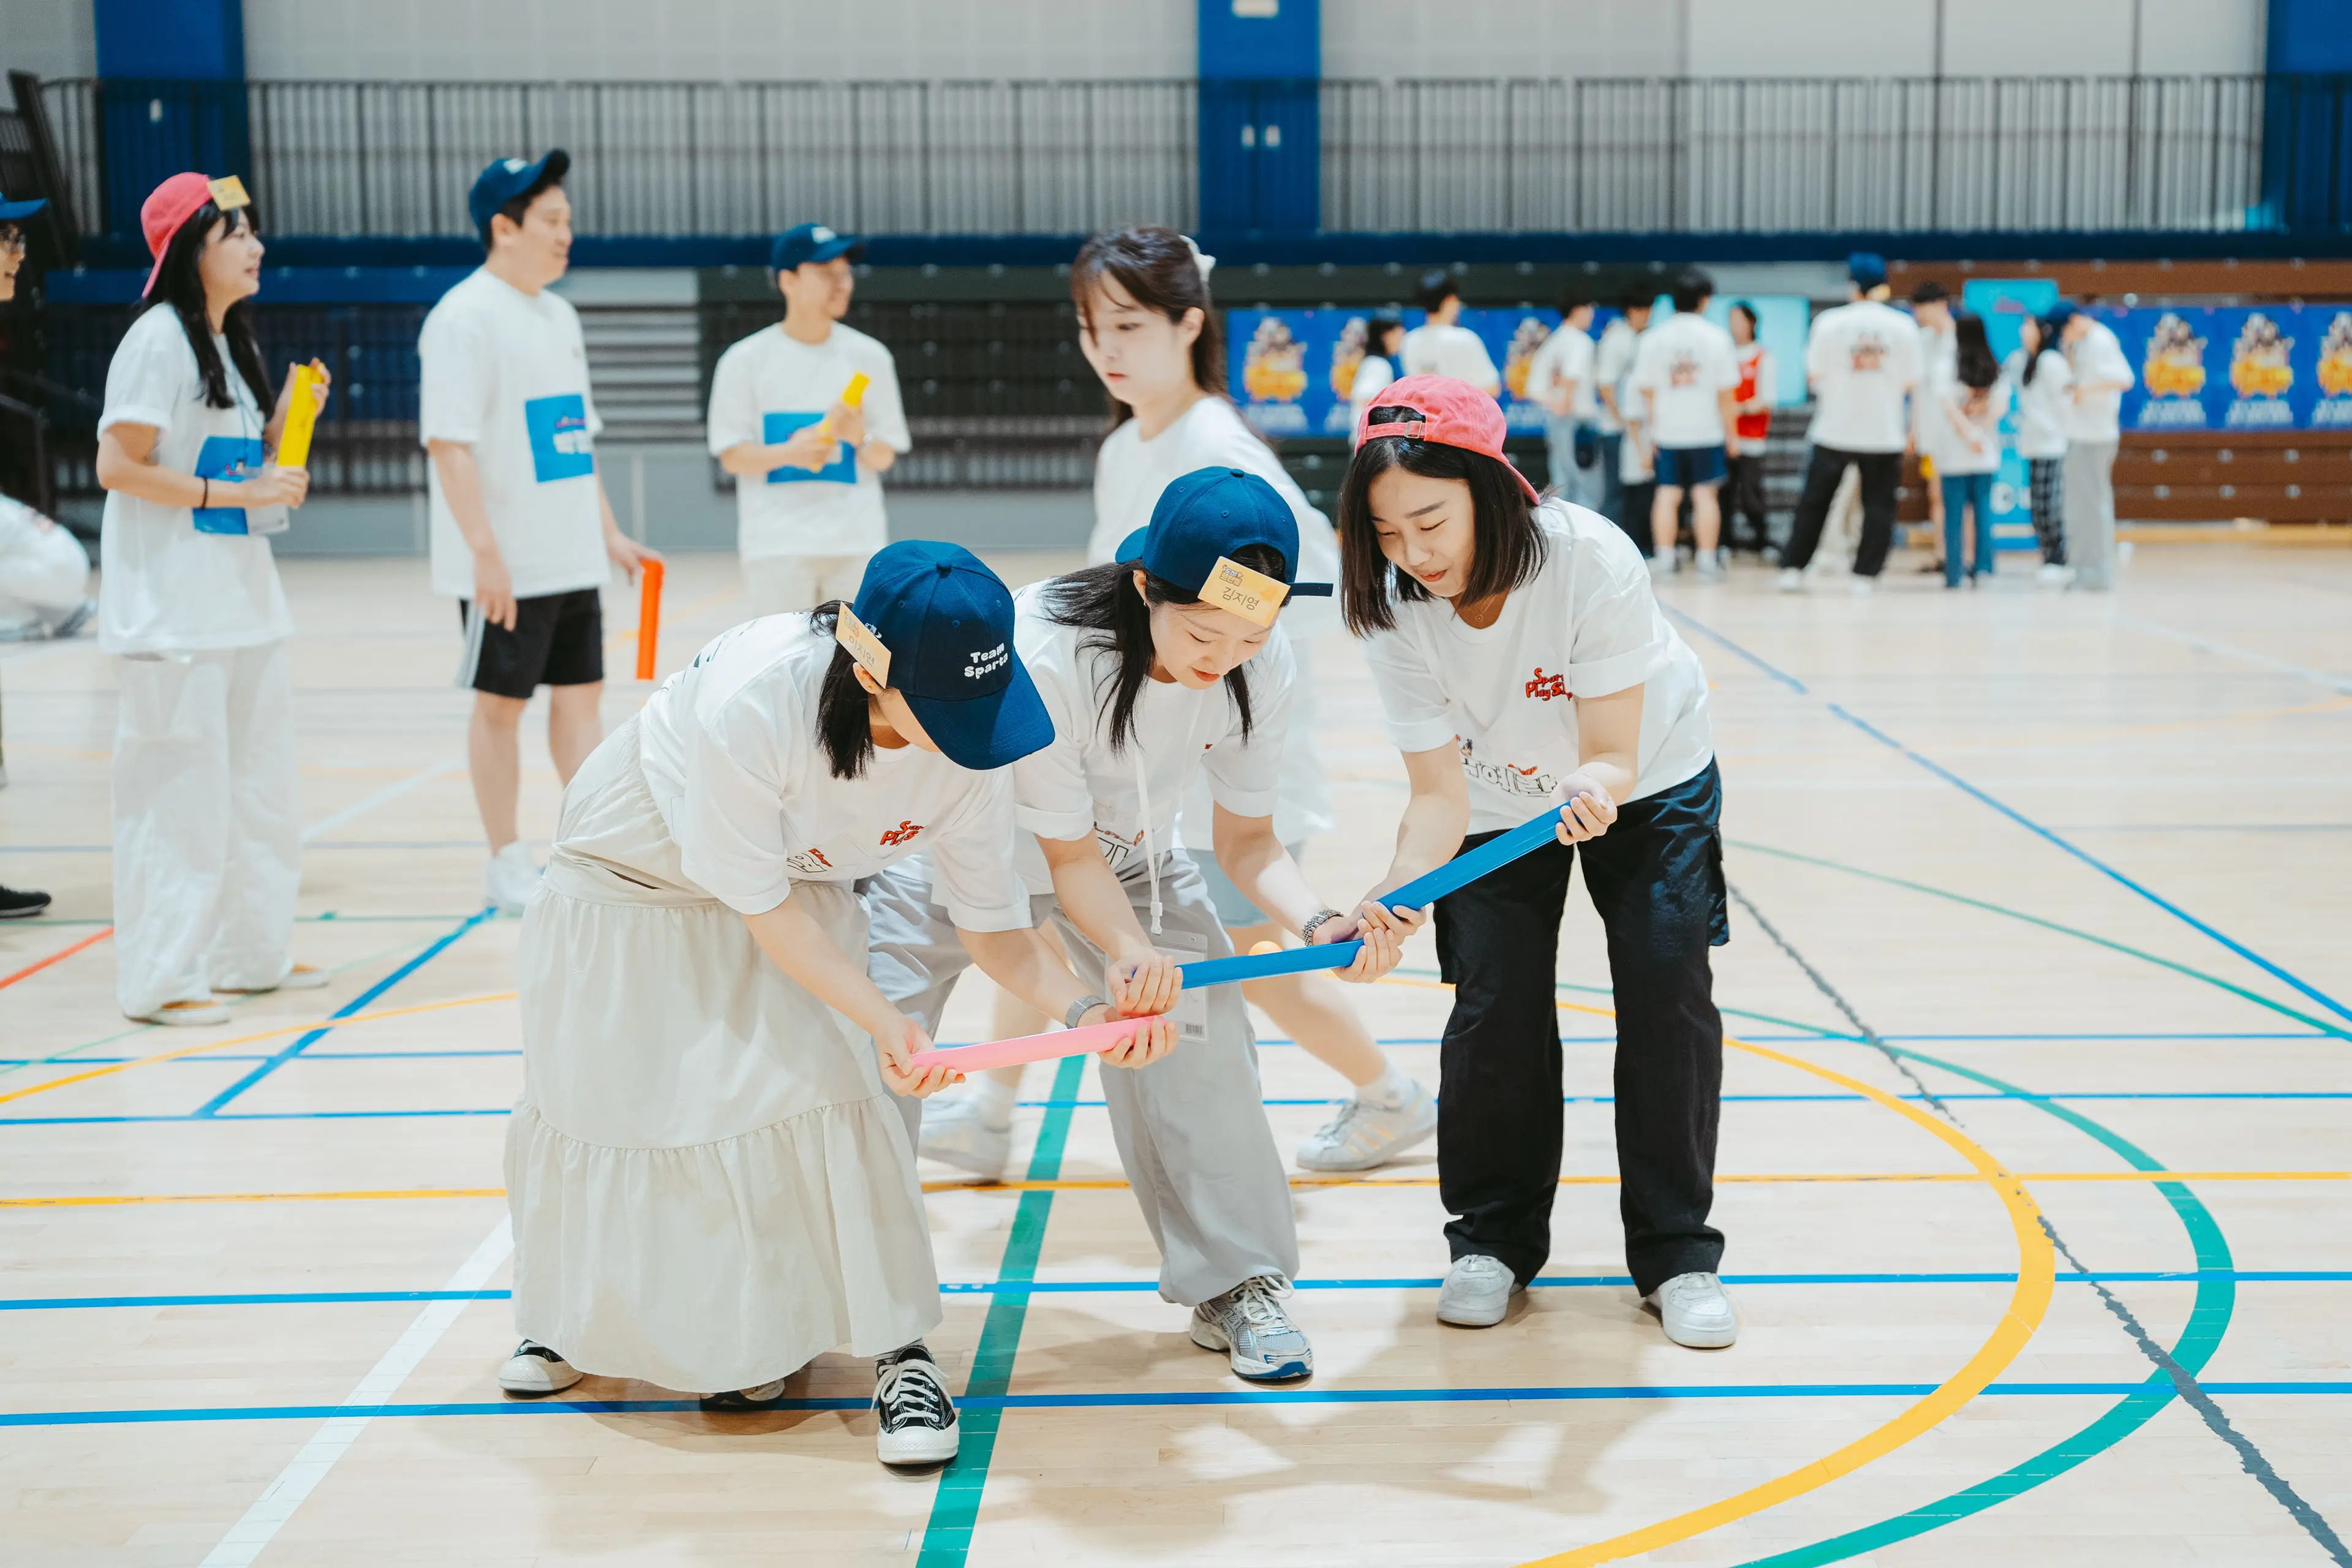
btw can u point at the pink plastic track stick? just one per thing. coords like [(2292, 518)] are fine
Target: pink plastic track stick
[(1042, 1048)]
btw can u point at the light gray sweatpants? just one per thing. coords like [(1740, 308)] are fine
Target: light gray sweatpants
[(1191, 1127), (2090, 510)]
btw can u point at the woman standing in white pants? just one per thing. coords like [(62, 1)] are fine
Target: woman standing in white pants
[(207, 823), (2094, 430)]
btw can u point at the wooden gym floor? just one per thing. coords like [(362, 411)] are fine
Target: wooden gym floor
[(2033, 1160)]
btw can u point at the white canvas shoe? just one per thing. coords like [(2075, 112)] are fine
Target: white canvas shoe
[(1478, 1293), (1696, 1311), (915, 1421), (533, 1369)]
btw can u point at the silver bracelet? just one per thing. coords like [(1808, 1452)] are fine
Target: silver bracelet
[(1315, 922), (1080, 1008)]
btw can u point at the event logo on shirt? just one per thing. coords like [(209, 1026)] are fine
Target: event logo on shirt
[(2261, 377), (559, 448), (906, 830), (1546, 687), (984, 662), (1867, 355), (775, 429), (1683, 372), (226, 458), (1115, 848), (808, 862), (1507, 777)]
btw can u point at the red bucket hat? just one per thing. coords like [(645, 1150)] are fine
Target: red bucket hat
[(177, 200), (1447, 411)]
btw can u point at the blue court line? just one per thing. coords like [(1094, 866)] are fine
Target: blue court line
[(1120, 1287), (2085, 856), (212, 1107), (988, 1404), (2233, 1094)]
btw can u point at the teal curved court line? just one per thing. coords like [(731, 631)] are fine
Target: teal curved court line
[(2209, 1320), (2256, 997)]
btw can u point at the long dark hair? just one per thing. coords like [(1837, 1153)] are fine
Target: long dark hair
[(1977, 368), (2046, 342), (1509, 547), (1161, 272), (1103, 600), (180, 287), (845, 723)]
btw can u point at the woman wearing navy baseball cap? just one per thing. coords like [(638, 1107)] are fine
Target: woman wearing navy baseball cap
[(1522, 664), (1166, 662), (711, 1178)]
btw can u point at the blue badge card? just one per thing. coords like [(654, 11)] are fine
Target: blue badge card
[(226, 458), (559, 448), (775, 429)]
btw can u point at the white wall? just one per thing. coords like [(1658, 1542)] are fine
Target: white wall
[(710, 39), (1501, 38), (53, 38)]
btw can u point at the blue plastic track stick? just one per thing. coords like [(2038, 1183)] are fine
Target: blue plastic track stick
[(1426, 889)]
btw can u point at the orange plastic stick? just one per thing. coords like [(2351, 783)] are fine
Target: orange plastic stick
[(648, 618)]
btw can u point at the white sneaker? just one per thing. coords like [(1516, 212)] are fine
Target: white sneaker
[(301, 978), (956, 1132), (185, 1015), (1789, 581), (1259, 1340), (1711, 568), (533, 1369), (1478, 1293), (1365, 1135), (1695, 1311), (510, 880), (1661, 566), (914, 1420), (1861, 587), (2054, 576)]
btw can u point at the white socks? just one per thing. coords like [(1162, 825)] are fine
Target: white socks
[(1388, 1091)]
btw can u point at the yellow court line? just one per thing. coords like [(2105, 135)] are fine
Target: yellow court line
[(303, 1028)]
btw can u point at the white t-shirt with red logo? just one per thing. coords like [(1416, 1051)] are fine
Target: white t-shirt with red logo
[(1586, 627), (731, 751), (1861, 359), (1685, 364)]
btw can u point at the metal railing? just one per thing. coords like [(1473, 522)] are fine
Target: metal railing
[(1427, 156)]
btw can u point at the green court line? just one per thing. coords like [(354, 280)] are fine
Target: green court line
[(2209, 1320), (955, 1509), (2256, 997)]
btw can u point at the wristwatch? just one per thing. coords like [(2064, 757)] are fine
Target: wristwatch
[(1315, 922), (1079, 1008)]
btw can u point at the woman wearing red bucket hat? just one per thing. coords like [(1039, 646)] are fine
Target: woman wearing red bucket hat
[(1522, 664), (207, 846)]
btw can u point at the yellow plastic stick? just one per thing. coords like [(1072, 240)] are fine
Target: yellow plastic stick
[(855, 393), (302, 415)]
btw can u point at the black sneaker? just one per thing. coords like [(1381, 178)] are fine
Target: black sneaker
[(17, 906), (915, 1419)]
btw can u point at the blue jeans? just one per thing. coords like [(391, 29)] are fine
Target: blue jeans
[(1975, 492)]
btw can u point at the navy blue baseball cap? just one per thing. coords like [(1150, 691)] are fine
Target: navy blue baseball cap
[(807, 242), (1867, 268), (507, 178), (948, 623), (1213, 512), (16, 212)]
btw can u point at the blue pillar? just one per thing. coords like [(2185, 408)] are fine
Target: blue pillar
[(1260, 126), (172, 90), (2307, 116)]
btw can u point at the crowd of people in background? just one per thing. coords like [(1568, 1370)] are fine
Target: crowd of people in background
[(1666, 415)]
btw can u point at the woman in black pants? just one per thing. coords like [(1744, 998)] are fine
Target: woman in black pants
[(1522, 664)]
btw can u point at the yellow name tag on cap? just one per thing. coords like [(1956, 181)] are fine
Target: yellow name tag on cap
[(863, 645), (1253, 595), (228, 193)]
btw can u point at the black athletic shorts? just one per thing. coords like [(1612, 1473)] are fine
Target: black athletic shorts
[(558, 640)]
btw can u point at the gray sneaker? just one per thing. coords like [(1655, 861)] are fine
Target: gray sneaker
[(1478, 1293), (1696, 1311), (1710, 569), (1364, 1135), (1248, 1324)]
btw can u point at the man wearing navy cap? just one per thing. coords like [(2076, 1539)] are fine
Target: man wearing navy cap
[(806, 415), (1861, 361), (522, 535)]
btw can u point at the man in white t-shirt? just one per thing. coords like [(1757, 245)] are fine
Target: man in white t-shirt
[(1612, 362), (1560, 377), (1861, 361), (522, 536), (806, 415), (1441, 345), (1688, 372), (2092, 419)]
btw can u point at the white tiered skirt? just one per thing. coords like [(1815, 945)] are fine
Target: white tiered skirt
[(711, 1184)]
